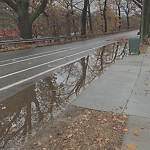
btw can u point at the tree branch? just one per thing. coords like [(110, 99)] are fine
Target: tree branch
[(138, 3), (38, 10), (11, 4)]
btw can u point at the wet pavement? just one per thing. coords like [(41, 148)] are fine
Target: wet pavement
[(22, 113), (121, 79), (19, 69), (124, 88)]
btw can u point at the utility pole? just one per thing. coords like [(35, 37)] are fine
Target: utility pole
[(145, 28)]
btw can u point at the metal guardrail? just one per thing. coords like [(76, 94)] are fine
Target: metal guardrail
[(52, 39), (47, 39)]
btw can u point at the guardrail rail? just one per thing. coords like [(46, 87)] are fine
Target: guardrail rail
[(60, 39)]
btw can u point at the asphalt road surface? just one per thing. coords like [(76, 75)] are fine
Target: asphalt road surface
[(21, 68)]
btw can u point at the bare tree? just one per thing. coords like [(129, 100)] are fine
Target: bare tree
[(103, 12), (84, 17), (128, 7), (118, 4), (138, 3), (24, 17), (105, 16)]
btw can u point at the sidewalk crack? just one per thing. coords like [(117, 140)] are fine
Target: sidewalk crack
[(125, 107)]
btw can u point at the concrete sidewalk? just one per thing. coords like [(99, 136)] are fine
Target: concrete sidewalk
[(124, 88)]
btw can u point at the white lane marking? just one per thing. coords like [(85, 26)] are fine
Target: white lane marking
[(42, 73), (55, 50), (49, 62), (37, 75), (16, 58), (58, 51), (107, 36)]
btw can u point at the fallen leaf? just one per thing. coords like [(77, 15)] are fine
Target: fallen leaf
[(85, 116), (114, 128), (121, 121), (3, 108), (35, 143), (125, 130), (142, 127), (14, 125), (105, 120), (148, 83), (135, 132), (107, 140), (146, 90), (121, 107), (125, 116), (70, 135), (39, 143), (99, 139), (131, 146)]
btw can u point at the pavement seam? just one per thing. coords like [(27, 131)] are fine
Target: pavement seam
[(138, 116), (133, 86)]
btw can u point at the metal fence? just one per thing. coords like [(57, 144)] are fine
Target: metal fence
[(6, 43)]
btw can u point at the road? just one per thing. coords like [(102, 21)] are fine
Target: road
[(20, 68)]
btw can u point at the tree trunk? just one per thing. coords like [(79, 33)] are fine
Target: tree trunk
[(25, 27), (73, 23), (23, 20), (105, 16), (68, 24), (148, 20), (128, 21), (24, 17), (90, 18), (127, 13), (73, 20), (118, 3), (148, 23), (84, 15), (119, 13)]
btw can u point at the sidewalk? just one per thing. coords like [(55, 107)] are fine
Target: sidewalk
[(124, 88)]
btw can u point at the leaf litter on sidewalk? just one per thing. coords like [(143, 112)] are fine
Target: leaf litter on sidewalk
[(81, 129)]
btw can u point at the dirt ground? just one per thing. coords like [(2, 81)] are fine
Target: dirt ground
[(81, 129)]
